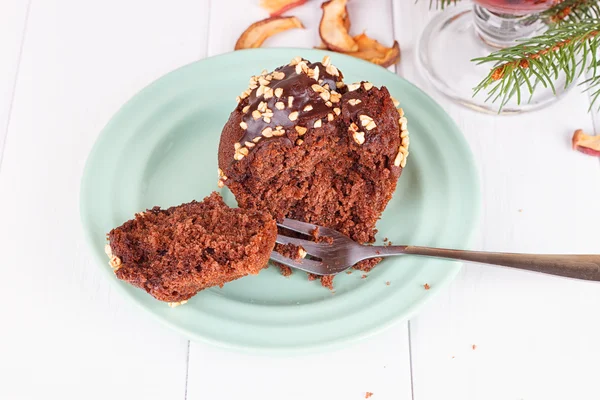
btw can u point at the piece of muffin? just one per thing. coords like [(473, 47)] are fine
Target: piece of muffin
[(304, 145), (174, 253)]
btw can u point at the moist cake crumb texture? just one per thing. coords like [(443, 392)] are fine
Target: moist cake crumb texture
[(303, 144), (174, 253)]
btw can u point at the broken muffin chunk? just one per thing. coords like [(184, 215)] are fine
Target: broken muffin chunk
[(302, 144), (173, 254)]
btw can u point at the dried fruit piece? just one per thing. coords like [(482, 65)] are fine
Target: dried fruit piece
[(333, 27), (278, 7), (373, 51), (259, 31), (586, 144)]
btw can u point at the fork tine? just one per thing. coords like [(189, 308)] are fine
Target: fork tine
[(312, 266), (312, 248), (297, 226)]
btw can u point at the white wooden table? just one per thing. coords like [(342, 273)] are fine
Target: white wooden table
[(67, 65)]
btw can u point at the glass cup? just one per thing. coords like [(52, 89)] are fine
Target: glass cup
[(470, 30)]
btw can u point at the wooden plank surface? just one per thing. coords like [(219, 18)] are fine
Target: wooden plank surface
[(67, 67), (534, 336), (13, 22), (66, 333)]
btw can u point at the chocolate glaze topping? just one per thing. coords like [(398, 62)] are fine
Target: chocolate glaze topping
[(306, 91)]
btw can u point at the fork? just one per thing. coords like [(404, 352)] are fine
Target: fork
[(343, 253)]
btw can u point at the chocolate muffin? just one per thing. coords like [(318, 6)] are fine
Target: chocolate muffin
[(304, 145), (174, 253)]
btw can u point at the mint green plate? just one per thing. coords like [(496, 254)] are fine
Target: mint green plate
[(161, 149)]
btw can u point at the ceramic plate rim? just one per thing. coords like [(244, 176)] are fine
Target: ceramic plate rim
[(452, 269)]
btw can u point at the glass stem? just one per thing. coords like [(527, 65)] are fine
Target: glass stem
[(504, 30)]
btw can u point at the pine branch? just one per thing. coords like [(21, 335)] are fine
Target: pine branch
[(565, 50), (571, 11)]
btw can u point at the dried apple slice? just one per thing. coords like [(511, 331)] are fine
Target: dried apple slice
[(586, 144), (373, 51), (278, 7), (260, 31), (334, 25)]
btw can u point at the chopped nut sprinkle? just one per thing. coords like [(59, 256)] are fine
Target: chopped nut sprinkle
[(220, 183), (403, 123), (331, 70), (268, 93), (238, 99), (279, 92), (398, 159), (353, 127), (340, 84), (293, 116), (256, 114), (243, 125), (174, 304), (263, 81), (330, 117), (278, 75), (400, 112), (278, 131), (318, 88), (302, 253), (295, 60), (353, 86), (367, 85), (249, 144), (262, 106), (279, 105), (329, 104), (315, 73), (318, 124), (335, 96), (257, 139), (359, 137), (301, 130), (302, 67), (404, 134), (365, 119), (267, 119), (326, 61), (267, 132), (371, 125), (308, 107), (354, 102), (396, 102), (260, 91), (325, 95), (245, 109), (405, 141), (299, 142), (237, 146), (290, 101), (337, 111), (243, 150)]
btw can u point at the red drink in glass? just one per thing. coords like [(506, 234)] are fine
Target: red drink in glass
[(517, 7)]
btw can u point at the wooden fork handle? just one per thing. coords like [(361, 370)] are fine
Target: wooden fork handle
[(578, 266)]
